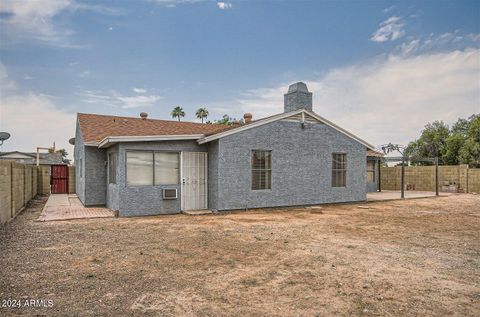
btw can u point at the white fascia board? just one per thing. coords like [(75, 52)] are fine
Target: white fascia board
[(249, 126), (109, 140), (280, 117), (90, 143)]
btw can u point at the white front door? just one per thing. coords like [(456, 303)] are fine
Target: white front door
[(194, 180)]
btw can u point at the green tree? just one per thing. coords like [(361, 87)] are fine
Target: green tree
[(202, 113), (227, 120), (178, 112), (63, 152), (453, 145), (470, 151), (431, 142)]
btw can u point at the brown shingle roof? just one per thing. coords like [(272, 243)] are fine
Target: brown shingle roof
[(96, 127)]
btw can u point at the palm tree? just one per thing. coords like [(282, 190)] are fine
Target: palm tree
[(202, 113), (178, 112)]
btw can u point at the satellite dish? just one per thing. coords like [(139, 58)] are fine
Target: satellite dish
[(4, 136), (72, 141)]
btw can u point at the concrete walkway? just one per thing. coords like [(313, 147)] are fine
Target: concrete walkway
[(66, 207), (409, 194)]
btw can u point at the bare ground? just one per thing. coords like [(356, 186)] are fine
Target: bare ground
[(399, 258)]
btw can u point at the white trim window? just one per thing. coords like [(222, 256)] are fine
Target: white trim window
[(148, 168), (339, 170), (139, 168), (167, 168), (261, 165)]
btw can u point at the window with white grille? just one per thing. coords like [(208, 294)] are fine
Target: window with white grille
[(261, 170), (339, 170)]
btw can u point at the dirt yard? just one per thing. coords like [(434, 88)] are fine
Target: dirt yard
[(399, 258)]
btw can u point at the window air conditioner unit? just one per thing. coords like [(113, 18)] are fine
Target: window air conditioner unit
[(170, 193)]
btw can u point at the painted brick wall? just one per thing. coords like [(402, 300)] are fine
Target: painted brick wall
[(301, 166), (95, 176), (79, 160), (213, 175), (147, 200)]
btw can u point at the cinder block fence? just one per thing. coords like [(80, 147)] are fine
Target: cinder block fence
[(19, 183), (423, 177)]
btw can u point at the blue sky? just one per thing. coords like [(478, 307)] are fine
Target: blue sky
[(380, 69)]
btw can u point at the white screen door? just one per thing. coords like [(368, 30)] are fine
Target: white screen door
[(194, 181)]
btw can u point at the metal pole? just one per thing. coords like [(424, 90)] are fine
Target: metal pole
[(403, 178), (436, 176), (379, 176)]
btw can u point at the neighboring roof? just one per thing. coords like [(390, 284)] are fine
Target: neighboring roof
[(281, 116), (374, 153), (45, 158), (96, 128)]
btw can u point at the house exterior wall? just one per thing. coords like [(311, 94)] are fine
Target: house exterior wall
[(213, 175), (301, 167), (90, 171), (112, 189), (95, 175), (148, 200), (79, 159), (373, 186)]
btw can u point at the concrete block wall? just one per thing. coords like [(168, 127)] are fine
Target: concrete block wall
[(474, 180), (5, 191), (44, 180), (71, 179), (18, 185), (18, 188), (423, 177)]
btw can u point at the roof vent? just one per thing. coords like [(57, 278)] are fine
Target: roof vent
[(247, 117), (143, 115)]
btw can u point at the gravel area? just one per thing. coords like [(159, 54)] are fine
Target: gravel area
[(398, 258)]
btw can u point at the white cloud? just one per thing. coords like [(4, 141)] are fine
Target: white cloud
[(32, 19), (114, 99), (174, 3), (390, 8), (436, 43), (390, 29), (84, 74), (224, 5), (27, 77), (35, 120), (138, 101), (140, 90), (6, 84), (388, 99)]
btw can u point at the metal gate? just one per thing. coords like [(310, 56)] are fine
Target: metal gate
[(59, 179)]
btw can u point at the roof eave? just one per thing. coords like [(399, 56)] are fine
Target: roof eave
[(109, 140)]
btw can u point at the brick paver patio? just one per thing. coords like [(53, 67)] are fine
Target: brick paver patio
[(67, 207)]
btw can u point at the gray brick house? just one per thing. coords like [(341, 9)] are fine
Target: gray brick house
[(141, 166)]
